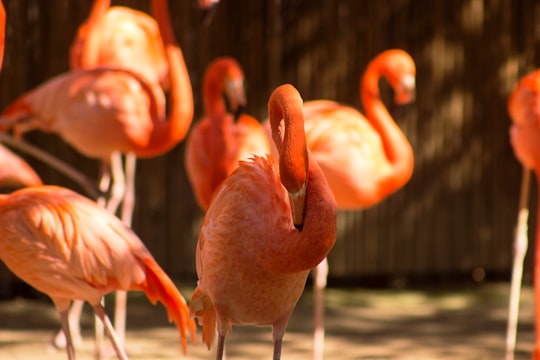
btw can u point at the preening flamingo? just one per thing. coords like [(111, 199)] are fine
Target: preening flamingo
[(263, 232), (524, 109), (68, 247), (218, 141), (364, 158)]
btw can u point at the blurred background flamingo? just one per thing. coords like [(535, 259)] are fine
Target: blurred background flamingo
[(106, 111), (119, 37), (218, 141), (263, 232), (68, 247), (524, 109), (14, 171), (364, 158)]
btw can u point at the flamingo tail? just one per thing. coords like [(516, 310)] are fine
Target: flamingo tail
[(159, 287), (201, 306)]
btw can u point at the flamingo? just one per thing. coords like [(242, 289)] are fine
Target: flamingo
[(121, 37), (14, 171), (263, 232), (68, 247), (107, 111), (524, 109), (218, 142), (364, 158)]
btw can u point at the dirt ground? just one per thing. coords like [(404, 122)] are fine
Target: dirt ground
[(360, 324)]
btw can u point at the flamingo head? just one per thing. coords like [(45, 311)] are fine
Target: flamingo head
[(235, 95), (524, 102), (19, 118), (399, 69)]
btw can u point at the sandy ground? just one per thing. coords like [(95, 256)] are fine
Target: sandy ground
[(360, 324)]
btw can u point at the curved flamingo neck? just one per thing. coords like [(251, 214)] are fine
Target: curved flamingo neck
[(86, 51), (396, 146), (213, 90), (285, 111), (300, 249), (168, 134)]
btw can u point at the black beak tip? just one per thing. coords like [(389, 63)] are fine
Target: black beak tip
[(299, 227), (239, 111)]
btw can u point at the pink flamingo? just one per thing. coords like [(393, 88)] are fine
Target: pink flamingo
[(524, 109), (364, 158), (68, 247), (218, 141), (263, 232)]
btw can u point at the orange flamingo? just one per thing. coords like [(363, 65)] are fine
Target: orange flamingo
[(66, 246), (120, 37), (263, 232), (123, 37), (217, 142), (364, 159), (14, 171), (107, 111), (524, 109)]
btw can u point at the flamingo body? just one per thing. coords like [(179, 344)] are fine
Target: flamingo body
[(69, 248), (524, 109), (97, 111), (349, 151), (119, 36)]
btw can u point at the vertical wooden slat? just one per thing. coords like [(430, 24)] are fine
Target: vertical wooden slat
[(458, 211)]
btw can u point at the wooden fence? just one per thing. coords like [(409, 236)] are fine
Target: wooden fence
[(459, 210)]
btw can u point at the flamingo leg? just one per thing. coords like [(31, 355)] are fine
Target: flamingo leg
[(520, 250), (278, 331), (220, 347), (113, 337), (321, 275), (59, 341), (67, 334), (112, 181), (128, 205), (118, 186)]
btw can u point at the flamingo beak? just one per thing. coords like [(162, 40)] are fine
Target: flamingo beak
[(235, 96), (405, 91), (298, 204)]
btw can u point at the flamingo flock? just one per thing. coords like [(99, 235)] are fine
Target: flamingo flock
[(270, 191)]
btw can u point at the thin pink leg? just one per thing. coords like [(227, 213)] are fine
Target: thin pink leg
[(321, 274)]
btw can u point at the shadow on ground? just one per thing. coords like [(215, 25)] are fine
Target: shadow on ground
[(360, 324)]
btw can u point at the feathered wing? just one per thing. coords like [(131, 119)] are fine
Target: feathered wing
[(86, 250)]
